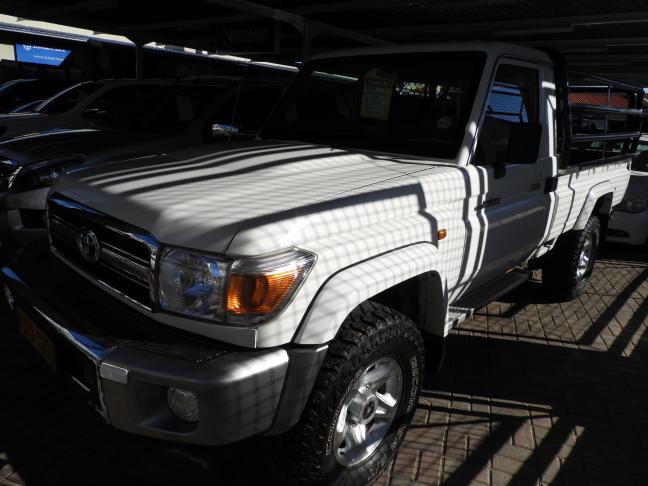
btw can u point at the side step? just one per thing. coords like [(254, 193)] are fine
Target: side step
[(478, 298)]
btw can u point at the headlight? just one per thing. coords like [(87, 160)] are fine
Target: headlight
[(44, 174), (244, 291), (192, 284), (632, 206), (9, 169)]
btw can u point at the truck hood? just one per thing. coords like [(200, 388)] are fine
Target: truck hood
[(201, 197)]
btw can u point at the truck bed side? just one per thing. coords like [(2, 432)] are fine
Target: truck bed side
[(580, 187)]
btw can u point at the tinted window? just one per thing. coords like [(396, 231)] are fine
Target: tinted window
[(252, 106), (513, 99), (68, 99), (26, 107), (182, 107), (125, 106), (411, 104), (18, 92)]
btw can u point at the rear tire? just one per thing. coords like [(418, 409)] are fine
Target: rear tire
[(570, 264), (362, 402)]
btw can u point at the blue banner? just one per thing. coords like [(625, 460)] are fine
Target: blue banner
[(40, 55)]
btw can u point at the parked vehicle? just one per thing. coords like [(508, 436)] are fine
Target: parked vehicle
[(298, 284), (156, 120), (85, 105), (629, 222), (17, 92), (27, 107)]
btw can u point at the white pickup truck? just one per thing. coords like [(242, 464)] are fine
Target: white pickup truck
[(298, 284)]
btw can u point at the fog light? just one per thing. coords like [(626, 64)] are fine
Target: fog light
[(11, 300), (183, 404)]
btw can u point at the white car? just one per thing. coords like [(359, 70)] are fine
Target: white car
[(300, 284), (629, 222)]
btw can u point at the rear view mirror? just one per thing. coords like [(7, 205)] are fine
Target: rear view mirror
[(219, 130), (524, 143)]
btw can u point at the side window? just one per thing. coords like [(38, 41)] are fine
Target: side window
[(512, 102), (68, 99), (123, 101)]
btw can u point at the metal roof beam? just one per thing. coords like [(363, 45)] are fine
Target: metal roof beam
[(507, 24), (359, 5), (78, 6), (605, 42), (192, 23), (314, 9), (298, 21)]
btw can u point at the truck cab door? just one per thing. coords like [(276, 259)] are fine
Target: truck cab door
[(513, 165)]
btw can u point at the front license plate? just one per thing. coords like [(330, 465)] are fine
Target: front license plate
[(37, 338)]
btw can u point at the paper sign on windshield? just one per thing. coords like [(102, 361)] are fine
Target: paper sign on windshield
[(376, 96)]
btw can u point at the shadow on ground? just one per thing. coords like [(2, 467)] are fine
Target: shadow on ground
[(524, 407)]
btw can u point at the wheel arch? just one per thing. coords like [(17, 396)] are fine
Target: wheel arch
[(406, 279), (598, 202)]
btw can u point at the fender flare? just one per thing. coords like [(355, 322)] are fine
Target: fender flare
[(593, 196), (349, 287)]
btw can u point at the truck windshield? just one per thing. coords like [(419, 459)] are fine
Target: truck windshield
[(414, 104)]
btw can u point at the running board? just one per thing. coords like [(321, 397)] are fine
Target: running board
[(466, 305)]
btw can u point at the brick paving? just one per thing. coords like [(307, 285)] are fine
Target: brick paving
[(531, 393)]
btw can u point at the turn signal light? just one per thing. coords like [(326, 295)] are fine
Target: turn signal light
[(258, 288), (259, 294)]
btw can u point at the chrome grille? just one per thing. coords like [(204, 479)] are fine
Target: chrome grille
[(125, 254)]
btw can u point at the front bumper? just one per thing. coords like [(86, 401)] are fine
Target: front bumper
[(125, 363)]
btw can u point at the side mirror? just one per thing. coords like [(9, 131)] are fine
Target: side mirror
[(94, 113), (524, 143), (219, 130)]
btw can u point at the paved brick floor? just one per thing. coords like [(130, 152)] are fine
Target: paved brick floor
[(532, 393)]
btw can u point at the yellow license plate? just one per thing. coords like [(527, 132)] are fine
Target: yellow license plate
[(37, 338)]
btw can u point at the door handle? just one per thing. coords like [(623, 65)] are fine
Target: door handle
[(488, 203)]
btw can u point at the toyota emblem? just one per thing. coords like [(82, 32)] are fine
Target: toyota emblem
[(88, 244)]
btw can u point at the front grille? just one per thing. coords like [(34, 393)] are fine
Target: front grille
[(123, 258)]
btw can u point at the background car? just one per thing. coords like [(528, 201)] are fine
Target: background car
[(153, 122), (629, 222), (18, 92), (79, 106), (26, 107)]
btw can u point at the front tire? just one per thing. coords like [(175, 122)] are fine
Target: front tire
[(362, 402), (571, 263)]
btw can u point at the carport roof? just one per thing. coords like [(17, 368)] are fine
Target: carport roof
[(610, 38)]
